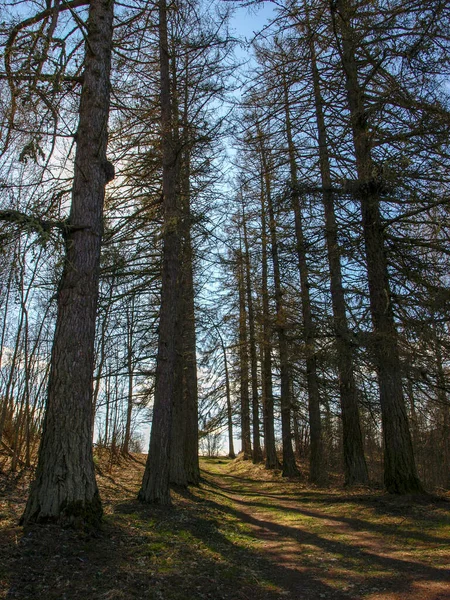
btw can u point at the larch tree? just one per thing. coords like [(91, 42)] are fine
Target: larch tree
[(355, 467), (289, 465), (256, 443), (156, 482), (400, 474), (64, 488), (354, 461), (271, 459), (316, 467), (246, 444)]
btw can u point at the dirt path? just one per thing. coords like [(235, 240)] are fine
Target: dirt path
[(360, 546)]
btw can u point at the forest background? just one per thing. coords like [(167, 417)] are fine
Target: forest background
[(308, 308)]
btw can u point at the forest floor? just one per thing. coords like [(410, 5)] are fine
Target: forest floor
[(244, 534)]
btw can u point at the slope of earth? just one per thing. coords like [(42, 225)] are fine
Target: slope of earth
[(244, 534)]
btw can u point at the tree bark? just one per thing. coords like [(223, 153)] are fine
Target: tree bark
[(156, 481), (190, 388), (184, 461), (65, 490), (257, 452), (130, 374), (355, 468), (231, 452), (444, 406), (271, 459), (179, 426), (289, 466), (400, 474), (243, 363), (178, 475), (316, 461)]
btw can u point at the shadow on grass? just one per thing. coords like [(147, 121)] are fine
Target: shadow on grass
[(199, 550), (49, 562), (397, 530), (145, 552), (224, 568), (398, 575)]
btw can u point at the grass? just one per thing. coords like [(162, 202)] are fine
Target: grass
[(244, 534)]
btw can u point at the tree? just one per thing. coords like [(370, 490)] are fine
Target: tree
[(184, 448), (289, 466), (256, 450), (243, 359), (156, 482), (64, 488), (399, 467), (316, 464), (354, 462), (190, 82), (271, 459)]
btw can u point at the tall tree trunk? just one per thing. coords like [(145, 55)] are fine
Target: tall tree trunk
[(130, 374), (271, 459), (8, 402), (5, 402), (65, 489), (297, 436), (231, 453), (316, 462), (257, 452), (400, 474), (108, 405), (243, 363), (184, 459), (190, 387), (289, 466), (100, 357), (155, 485), (444, 407), (190, 383), (25, 396), (178, 475), (355, 468)]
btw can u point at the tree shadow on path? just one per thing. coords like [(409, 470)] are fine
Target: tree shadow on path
[(290, 506), (370, 573)]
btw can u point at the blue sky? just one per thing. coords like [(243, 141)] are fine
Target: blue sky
[(248, 20)]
